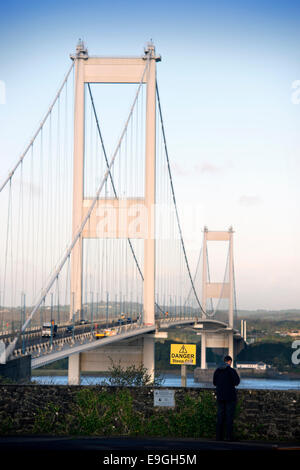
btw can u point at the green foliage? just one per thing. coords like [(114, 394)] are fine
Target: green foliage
[(267, 352), (7, 380), (6, 425), (100, 412), (104, 413), (62, 364), (193, 417), (131, 376), (49, 420)]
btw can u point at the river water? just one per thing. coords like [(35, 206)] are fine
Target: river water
[(172, 380)]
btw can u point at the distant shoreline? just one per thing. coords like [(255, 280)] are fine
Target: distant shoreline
[(245, 374), (274, 375)]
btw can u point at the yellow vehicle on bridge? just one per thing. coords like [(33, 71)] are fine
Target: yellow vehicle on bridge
[(105, 332)]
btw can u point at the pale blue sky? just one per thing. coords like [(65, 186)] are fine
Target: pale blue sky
[(225, 83)]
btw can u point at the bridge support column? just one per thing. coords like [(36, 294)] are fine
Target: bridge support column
[(149, 355), (114, 70), (78, 169), (74, 369), (230, 346), (203, 351), (218, 290), (149, 242)]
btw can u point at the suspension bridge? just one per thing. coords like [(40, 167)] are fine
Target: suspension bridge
[(91, 241)]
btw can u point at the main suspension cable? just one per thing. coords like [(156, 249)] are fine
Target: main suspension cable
[(195, 275), (175, 204)]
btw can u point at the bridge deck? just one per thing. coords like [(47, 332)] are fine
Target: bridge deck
[(130, 331)]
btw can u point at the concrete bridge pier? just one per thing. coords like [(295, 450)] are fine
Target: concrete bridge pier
[(149, 355), (216, 340), (139, 350), (74, 369), (225, 339), (231, 346), (203, 350)]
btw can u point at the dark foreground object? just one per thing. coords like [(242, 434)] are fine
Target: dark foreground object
[(123, 443), (17, 369), (132, 452)]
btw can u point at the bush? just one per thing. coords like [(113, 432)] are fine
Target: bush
[(103, 413), (49, 420), (196, 417), (131, 376), (108, 413)]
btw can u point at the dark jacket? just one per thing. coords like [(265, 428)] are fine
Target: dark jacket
[(225, 379)]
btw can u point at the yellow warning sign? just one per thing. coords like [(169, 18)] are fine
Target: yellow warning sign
[(183, 354)]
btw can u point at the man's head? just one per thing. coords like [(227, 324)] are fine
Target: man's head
[(228, 360)]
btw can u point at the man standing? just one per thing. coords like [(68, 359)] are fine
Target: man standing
[(226, 379)]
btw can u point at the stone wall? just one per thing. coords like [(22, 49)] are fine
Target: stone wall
[(262, 414)]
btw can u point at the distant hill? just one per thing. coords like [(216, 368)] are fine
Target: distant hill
[(289, 314), (275, 354)]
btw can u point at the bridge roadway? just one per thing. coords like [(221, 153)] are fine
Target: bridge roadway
[(65, 343), (124, 332), (34, 336), (87, 342)]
